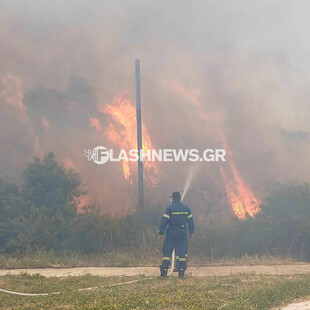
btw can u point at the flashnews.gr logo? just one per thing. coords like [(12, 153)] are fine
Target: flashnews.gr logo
[(100, 155)]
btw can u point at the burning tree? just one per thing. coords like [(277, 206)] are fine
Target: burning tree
[(241, 198), (121, 131)]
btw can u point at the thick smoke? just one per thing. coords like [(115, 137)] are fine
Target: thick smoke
[(209, 68)]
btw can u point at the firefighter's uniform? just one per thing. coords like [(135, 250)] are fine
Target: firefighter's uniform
[(179, 218)]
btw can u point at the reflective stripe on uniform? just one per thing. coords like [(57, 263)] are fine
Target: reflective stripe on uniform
[(166, 215), (166, 258), (182, 259), (177, 257), (190, 216), (179, 212)]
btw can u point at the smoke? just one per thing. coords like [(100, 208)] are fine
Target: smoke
[(208, 68)]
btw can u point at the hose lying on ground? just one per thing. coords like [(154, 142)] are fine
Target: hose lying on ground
[(76, 290), (89, 288)]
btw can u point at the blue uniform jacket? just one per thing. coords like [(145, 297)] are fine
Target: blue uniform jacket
[(177, 217)]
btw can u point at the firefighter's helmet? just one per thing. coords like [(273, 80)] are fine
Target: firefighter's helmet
[(176, 195)]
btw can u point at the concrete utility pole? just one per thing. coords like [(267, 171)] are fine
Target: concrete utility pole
[(139, 137)]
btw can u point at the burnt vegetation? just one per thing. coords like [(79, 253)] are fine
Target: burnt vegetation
[(44, 214)]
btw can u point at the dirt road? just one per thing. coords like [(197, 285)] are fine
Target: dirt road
[(305, 305), (153, 271)]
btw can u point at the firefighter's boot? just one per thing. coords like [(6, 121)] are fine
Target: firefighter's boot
[(181, 273), (163, 272)]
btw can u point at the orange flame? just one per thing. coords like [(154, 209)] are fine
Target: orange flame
[(69, 164), (81, 203), (94, 122), (12, 91), (122, 132), (240, 196)]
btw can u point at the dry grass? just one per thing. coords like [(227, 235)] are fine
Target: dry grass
[(245, 260), (239, 292)]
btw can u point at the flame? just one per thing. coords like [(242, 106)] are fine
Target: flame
[(126, 170), (241, 198), (94, 122), (69, 164), (234, 201), (12, 91), (81, 203), (122, 132), (191, 95)]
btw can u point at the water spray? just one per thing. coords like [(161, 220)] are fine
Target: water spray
[(192, 172)]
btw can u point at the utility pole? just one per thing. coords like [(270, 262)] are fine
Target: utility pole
[(139, 137)]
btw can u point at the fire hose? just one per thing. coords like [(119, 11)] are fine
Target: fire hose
[(77, 290), (89, 288)]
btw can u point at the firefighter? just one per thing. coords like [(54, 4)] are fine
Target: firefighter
[(178, 217)]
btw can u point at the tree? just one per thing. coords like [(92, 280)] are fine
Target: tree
[(53, 191), (11, 207), (51, 187), (209, 199), (286, 213)]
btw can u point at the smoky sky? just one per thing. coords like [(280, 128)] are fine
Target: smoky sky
[(244, 65)]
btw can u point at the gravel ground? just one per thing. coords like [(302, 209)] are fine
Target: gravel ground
[(153, 271), (305, 305)]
